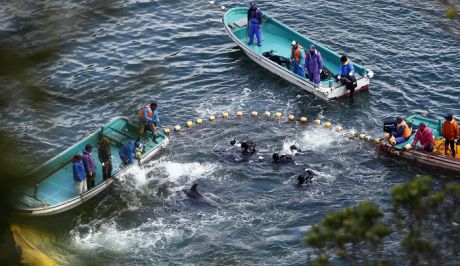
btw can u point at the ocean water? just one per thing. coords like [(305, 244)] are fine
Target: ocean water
[(116, 57)]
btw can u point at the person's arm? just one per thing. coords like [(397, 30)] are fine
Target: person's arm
[(417, 137), (351, 68), (249, 15), (260, 18), (320, 61), (302, 58), (85, 161), (456, 131), (443, 133), (156, 117), (398, 132), (339, 74)]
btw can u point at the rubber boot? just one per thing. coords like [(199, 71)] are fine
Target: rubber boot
[(154, 138)]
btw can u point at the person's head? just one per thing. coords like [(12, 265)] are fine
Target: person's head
[(449, 116), (421, 126), (343, 59), (77, 158), (294, 44), (154, 105), (312, 49), (104, 142), (88, 147), (253, 4), (399, 119)]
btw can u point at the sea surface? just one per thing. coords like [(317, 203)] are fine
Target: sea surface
[(115, 57)]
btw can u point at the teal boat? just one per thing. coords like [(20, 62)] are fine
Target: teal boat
[(277, 37), (54, 191), (435, 159)]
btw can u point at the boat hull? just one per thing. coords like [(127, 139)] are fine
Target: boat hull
[(277, 37), (431, 160)]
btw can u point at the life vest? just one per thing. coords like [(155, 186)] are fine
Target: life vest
[(296, 53), (407, 130), (149, 112)]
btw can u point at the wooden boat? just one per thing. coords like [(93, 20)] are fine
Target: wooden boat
[(435, 159), (277, 37), (54, 190)]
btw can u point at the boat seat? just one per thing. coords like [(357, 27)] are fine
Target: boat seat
[(239, 23)]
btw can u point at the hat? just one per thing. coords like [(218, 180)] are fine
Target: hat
[(398, 118), (252, 3), (293, 43), (312, 46), (343, 59), (449, 115), (154, 102), (88, 147), (421, 125), (77, 157)]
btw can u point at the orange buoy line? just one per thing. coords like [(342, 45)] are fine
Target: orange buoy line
[(278, 116)]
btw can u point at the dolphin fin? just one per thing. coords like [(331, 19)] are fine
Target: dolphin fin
[(193, 188)]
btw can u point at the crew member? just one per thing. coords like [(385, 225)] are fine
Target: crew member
[(450, 133), (255, 24), (148, 118), (298, 59), (314, 64), (425, 136), (402, 132)]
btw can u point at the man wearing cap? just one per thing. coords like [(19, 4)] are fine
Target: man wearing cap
[(149, 119), (127, 151), (255, 23), (425, 136), (402, 132), (90, 166), (298, 59), (346, 74), (450, 133), (314, 64)]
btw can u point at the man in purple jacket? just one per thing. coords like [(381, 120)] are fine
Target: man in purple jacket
[(90, 166), (314, 64)]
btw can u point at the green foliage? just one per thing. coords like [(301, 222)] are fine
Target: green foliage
[(342, 231), (354, 233)]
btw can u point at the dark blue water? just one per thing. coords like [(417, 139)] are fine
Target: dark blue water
[(116, 58)]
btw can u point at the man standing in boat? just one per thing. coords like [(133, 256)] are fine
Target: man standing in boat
[(255, 24), (149, 119), (314, 64), (90, 166), (298, 59), (105, 157), (450, 133)]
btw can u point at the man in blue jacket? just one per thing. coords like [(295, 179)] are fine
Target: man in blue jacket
[(255, 24), (78, 174), (128, 150), (346, 75), (149, 119)]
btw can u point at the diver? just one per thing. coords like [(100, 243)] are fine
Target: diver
[(129, 151), (306, 178), (247, 147)]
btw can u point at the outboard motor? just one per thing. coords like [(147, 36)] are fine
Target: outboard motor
[(389, 125)]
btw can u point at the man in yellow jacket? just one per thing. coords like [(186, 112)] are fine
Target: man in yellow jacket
[(450, 133)]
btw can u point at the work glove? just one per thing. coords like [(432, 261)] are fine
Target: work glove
[(320, 71), (350, 74), (103, 164), (339, 77)]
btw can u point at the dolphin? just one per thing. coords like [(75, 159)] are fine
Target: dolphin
[(196, 196)]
